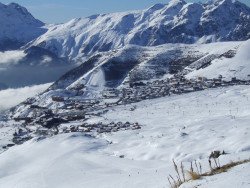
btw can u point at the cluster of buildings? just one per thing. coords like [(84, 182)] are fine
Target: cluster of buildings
[(74, 109), (176, 85), (101, 127)]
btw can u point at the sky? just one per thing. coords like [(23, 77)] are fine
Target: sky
[(59, 11)]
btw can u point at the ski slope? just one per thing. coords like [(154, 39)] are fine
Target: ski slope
[(182, 127), (238, 66)]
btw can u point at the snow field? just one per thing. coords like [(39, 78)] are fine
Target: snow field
[(184, 127)]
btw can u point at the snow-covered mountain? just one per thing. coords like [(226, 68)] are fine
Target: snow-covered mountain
[(18, 27), (134, 105), (135, 63), (175, 22)]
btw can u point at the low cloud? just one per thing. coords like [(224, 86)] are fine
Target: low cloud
[(12, 97), (46, 59), (11, 57)]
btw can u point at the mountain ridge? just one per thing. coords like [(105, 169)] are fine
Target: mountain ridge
[(175, 22), (171, 23)]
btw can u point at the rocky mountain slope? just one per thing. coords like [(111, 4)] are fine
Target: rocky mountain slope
[(175, 22), (18, 27)]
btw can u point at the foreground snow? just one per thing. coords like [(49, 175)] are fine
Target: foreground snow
[(185, 128), (236, 177)]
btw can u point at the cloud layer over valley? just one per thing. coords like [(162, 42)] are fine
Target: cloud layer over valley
[(12, 97)]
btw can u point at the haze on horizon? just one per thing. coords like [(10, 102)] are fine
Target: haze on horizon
[(58, 11)]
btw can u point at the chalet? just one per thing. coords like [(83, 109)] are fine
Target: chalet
[(42, 131), (202, 79), (197, 88), (111, 93), (26, 119), (57, 99), (135, 84), (217, 81), (36, 107), (75, 117), (52, 122), (234, 79), (29, 101)]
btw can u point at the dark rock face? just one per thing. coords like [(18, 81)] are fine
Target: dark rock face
[(116, 71), (8, 44)]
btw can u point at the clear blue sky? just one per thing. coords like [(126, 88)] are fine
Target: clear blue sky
[(57, 11)]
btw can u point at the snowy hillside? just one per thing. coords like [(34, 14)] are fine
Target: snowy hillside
[(175, 22), (238, 66), (18, 26), (172, 128), (133, 64)]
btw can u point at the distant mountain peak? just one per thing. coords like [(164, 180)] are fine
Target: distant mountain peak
[(174, 3), (156, 7), (24, 12), (15, 5), (18, 26), (224, 1), (173, 7)]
